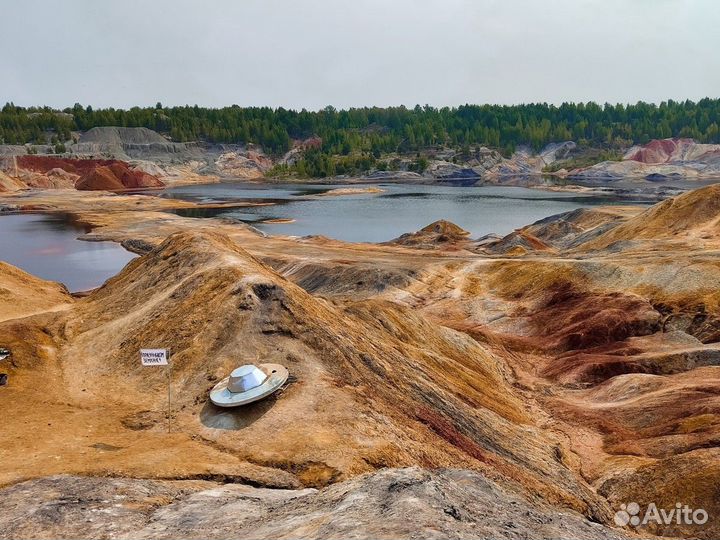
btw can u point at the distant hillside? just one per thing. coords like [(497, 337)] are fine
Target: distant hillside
[(122, 135), (355, 141), (374, 129)]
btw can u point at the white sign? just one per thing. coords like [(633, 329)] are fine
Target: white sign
[(154, 357)]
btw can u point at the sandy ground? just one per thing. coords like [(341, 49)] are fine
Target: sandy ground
[(551, 360)]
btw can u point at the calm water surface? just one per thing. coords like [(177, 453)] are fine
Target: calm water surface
[(384, 216), (47, 246)]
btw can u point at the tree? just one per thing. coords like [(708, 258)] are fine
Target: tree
[(356, 138)]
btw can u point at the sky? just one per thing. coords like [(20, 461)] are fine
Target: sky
[(314, 53)]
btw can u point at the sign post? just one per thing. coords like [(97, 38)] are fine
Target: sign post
[(159, 357)]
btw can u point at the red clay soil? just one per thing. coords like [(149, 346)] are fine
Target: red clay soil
[(657, 151), (574, 320), (96, 174), (43, 164), (101, 178)]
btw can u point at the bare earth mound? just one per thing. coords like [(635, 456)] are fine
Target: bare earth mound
[(22, 294), (83, 174), (567, 369), (442, 399), (440, 233)]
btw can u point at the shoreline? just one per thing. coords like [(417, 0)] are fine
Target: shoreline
[(432, 332)]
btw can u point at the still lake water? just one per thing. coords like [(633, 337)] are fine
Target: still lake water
[(378, 217), (46, 245)]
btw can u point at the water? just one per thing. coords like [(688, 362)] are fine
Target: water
[(46, 246), (380, 217)]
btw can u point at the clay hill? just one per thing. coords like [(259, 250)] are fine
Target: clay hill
[(440, 233), (22, 294), (83, 174), (146, 151), (523, 386), (146, 154), (659, 159)]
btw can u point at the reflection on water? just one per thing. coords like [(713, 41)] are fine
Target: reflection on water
[(46, 246), (378, 217)]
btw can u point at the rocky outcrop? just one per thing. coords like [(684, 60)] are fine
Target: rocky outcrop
[(116, 177), (672, 150), (556, 151), (522, 163), (130, 143), (173, 162), (516, 243), (563, 231), (393, 503), (248, 165), (393, 175), (8, 183), (658, 160), (189, 162), (445, 170)]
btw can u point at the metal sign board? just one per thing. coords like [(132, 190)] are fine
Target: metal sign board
[(154, 357)]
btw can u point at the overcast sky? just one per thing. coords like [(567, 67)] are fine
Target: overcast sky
[(314, 53)]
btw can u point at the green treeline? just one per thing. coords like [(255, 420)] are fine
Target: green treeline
[(358, 137)]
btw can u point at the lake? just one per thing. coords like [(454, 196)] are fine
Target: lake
[(378, 217), (46, 246)]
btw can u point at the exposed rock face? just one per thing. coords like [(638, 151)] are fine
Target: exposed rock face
[(250, 165), (557, 151), (516, 243), (401, 175), (101, 178), (191, 162), (293, 155), (393, 503), (446, 170), (8, 183), (670, 150), (660, 159), (523, 162), (128, 143), (562, 231), (122, 135), (144, 150), (172, 161), (83, 174), (116, 177)]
